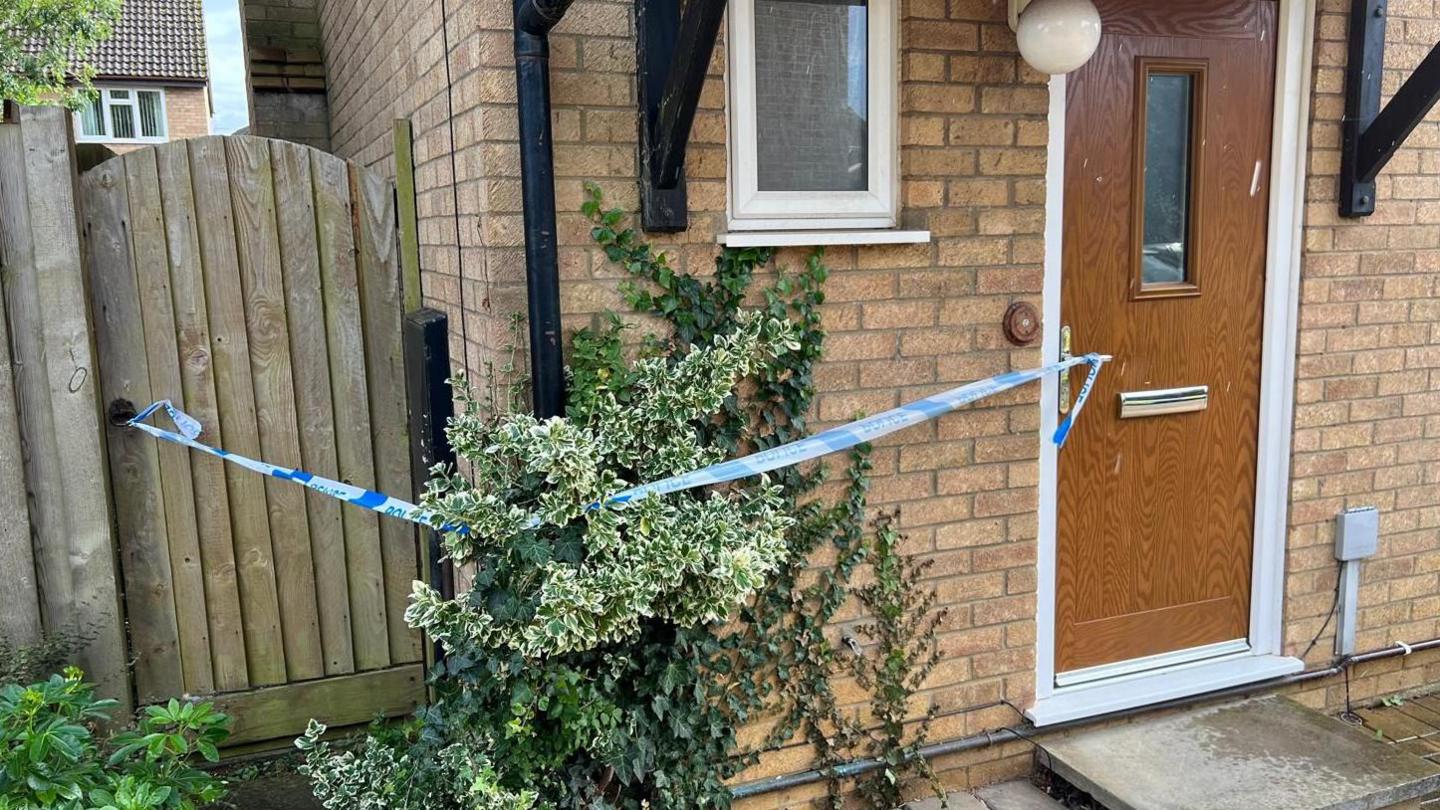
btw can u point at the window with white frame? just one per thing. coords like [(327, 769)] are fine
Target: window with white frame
[(122, 114), (812, 114)]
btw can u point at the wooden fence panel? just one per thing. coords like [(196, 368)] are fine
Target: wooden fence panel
[(239, 430), (197, 379), (345, 331), (253, 196), (20, 621), (381, 296), (152, 271), (56, 395), (256, 284), (134, 462), (300, 260)]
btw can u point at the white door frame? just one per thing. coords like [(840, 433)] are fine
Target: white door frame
[(1182, 676)]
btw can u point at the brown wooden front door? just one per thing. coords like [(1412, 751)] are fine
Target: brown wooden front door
[(1168, 136)]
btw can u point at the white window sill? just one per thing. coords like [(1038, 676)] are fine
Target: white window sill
[(1145, 689), (887, 236), (123, 141)]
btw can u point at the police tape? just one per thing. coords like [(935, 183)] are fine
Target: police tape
[(814, 447), (189, 434)]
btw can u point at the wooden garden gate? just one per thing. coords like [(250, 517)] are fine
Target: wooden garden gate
[(255, 283)]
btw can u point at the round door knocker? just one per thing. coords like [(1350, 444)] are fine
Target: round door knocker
[(1021, 323)]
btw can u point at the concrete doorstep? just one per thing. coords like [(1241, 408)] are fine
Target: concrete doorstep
[(1265, 754)]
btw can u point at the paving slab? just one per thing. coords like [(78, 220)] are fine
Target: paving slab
[(1264, 754), (1018, 795), (953, 801)]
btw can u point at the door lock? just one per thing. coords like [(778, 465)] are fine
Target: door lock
[(1065, 354)]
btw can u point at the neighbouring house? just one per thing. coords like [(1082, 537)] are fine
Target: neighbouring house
[(151, 78), (1176, 202)]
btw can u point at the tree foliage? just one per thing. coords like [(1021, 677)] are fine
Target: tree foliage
[(45, 46)]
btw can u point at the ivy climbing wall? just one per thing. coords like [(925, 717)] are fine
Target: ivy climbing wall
[(907, 320)]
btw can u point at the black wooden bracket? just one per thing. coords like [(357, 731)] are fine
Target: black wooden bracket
[(1372, 134), (674, 44)]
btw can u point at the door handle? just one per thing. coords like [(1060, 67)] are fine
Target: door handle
[(1164, 401), (1065, 354)]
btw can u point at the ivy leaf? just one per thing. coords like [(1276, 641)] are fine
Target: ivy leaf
[(532, 549), (570, 548), (503, 605)]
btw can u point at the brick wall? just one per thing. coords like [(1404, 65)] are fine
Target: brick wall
[(1367, 413), (908, 320), (904, 320), (286, 77), (187, 112), (384, 60), (281, 24), (299, 117)]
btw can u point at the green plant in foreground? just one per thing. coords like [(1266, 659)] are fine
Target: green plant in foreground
[(777, 663), (571, 646), (53, 758)]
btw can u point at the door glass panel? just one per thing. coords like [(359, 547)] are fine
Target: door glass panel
[(811, 88), (1168, 159)]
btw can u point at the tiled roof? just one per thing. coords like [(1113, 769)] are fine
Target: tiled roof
[(159, 39)]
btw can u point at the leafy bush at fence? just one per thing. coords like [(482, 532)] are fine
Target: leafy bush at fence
[(586, 578), (609, 658), (53, 756), (393, 769), (576, 646)]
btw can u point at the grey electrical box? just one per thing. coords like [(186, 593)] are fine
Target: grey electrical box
[(1357, 533)]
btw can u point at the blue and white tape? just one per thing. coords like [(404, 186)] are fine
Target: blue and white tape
[(821, 444), (869, 429), (189, 432)]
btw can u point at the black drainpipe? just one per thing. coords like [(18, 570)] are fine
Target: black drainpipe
[(533, 21)]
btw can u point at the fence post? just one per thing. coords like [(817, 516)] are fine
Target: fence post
[(427, 374), (20, 618), (56, 396), (409, 230)]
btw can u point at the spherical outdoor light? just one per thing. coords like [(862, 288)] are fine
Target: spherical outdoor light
[(1056, 36)]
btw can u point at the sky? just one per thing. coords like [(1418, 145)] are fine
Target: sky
[(227, 66)]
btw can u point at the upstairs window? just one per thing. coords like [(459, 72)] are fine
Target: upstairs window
[(812, 114), (123, 115)]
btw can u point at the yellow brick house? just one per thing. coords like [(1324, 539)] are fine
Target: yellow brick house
[(1187, 199), (151, 78)]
